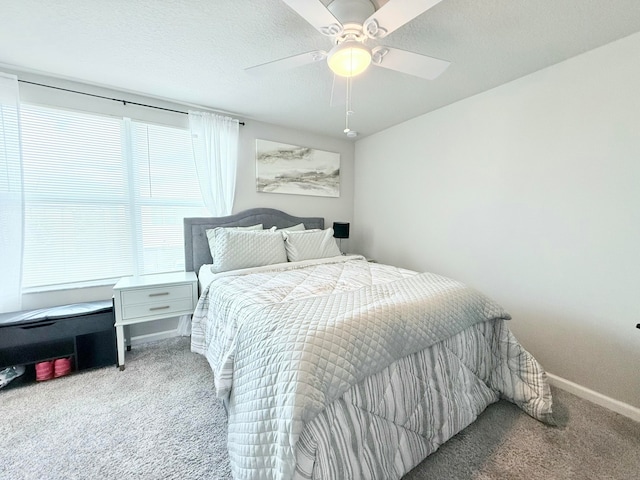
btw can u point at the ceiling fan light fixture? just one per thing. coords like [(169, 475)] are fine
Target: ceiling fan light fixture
[(349, 58)]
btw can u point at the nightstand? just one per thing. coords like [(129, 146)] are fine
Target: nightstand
[(152, 297)]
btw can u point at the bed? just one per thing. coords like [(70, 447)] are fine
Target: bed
[(339, 368)]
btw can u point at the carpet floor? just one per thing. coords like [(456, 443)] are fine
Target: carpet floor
[(159, 420)]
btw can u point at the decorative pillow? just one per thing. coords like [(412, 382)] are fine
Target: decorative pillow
[(211, 236), (310, 244), (294, 228), (247, 248)]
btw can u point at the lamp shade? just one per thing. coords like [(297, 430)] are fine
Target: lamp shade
[(341, 229), (349, 58)]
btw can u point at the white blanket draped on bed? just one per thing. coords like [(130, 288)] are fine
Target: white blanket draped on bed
[(286, 342)]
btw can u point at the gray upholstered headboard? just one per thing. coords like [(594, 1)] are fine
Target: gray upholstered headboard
[(196, 246)]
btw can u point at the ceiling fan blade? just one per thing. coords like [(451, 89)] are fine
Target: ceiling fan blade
[(287, 63), (408, 62), (394, 14), (314, 12), (339, 91)]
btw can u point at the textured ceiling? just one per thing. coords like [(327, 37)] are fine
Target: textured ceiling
[(195, 51)]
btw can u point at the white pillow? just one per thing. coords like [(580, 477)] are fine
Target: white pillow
[(247, 248), (294, 228), (310, 244), (211, 236)]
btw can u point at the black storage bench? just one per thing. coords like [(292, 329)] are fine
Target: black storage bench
[(83, 331)]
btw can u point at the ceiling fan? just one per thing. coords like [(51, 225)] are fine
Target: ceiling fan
[(350, 24)]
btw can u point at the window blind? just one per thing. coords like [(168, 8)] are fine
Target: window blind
[(104, 197), (166, 190)]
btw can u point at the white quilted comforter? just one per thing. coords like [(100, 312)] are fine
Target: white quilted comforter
[(286, 342)]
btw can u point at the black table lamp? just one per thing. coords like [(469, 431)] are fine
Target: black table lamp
[(340, 231)]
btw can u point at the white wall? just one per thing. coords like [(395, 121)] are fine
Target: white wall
[(338, 209), (529, 192)]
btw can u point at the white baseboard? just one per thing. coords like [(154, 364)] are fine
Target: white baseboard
[(153, 337), (595, 397)]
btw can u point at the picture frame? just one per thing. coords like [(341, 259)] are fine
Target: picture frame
[(296, 170)]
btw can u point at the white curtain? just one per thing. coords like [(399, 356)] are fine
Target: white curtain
[(11, 196), (215, 152)]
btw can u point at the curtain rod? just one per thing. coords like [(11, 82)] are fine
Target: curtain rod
[(119, 100)]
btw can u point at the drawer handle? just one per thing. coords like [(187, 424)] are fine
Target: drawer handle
[(158, 294), (159, 308)]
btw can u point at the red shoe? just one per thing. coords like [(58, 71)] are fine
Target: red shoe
[(61, 367), (44, 371)]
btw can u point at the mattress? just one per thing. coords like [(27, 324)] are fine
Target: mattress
[(347, 369)]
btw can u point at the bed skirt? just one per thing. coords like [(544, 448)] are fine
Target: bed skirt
[(390, 422)]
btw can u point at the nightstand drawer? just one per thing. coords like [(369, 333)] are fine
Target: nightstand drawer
[(162, 294), (149, 298), (158, 307)]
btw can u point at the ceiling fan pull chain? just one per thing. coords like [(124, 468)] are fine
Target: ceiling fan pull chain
[(348, 110), (349, 83)]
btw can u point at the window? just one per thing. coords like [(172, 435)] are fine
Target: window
[(104, 197)]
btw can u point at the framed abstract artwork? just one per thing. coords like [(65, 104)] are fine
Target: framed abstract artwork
[(284, 168)]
